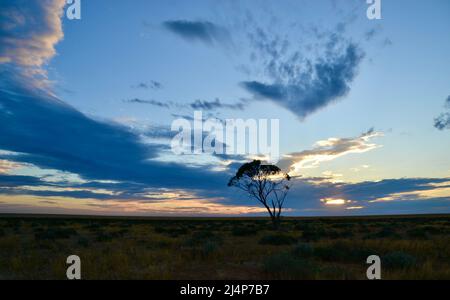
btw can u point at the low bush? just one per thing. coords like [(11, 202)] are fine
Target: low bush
[(398, 260), (108, 236), (418, 233), (55, 233), (171, 231), (204, 243), (277, 240), (244, 231), (342, 252), (286, 266), (311, 234), (83, 242), (303, 250), (384, 233)]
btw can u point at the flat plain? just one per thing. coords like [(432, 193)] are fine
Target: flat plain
[(410, 247)]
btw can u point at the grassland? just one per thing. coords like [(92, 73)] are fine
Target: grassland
[(411, 247)]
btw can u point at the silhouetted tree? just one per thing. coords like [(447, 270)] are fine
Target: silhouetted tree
[(265, 183)]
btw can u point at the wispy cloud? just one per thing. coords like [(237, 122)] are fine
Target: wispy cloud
[(150, 102), (443, 121), (203, 31), (203, 105), (216, 104), (327, 150), (152, 84), (6, 166)]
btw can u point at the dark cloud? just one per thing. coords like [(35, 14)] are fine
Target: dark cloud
[(216, 104), (443, 121), (373, 190), (17, 180), (306, 193), (154, 85), (311, 190), (304, 85), (202, 31), (150, 102), (67, 194), (50, 134)]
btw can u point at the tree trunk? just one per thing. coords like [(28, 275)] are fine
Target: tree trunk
[(276, 221)]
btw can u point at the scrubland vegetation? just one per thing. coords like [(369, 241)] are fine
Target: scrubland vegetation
[(410, 247)]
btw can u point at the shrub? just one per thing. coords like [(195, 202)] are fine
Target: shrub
[(335, 272), (209, 247), (398, 260), (160, 229), (105, 237), (199, 237), (418, 233), (243, 231), (303, 250), (342, 252), (384, 233), (286, 266), (171, 231), (311, 234), (94, 226), (203, 242), (336, 234), (277, 240), (83, 242), (55, 233), (346, 226)]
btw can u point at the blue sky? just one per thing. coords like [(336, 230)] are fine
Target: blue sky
[(86, 105)]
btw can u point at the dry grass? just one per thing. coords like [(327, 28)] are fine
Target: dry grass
[(415, 247)]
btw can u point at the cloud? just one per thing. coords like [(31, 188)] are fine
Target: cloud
[(213, 105), (381, 190), (18, 180), (203, 31), (158, 132), (443, 121), (370, 34), (328, 150), (388, 196), (154, 85), (196, 105), (90, 148), (6, 166), (306, 90), (29, 31), (150, 102)]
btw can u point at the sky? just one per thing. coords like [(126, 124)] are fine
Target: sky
[(86, 105)]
